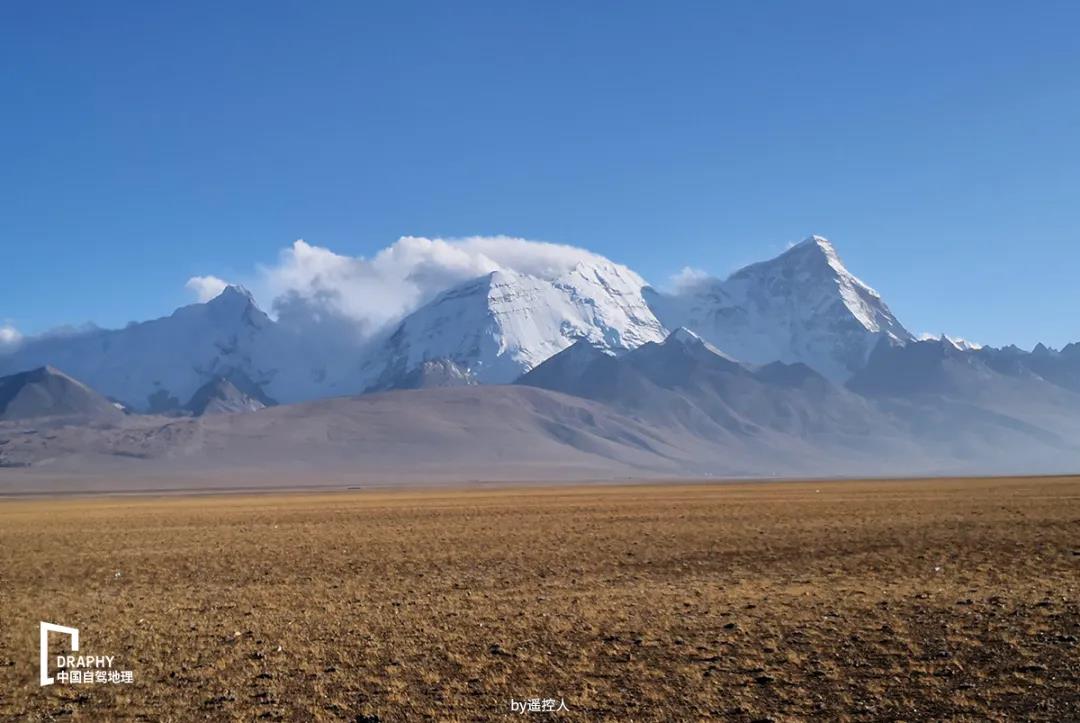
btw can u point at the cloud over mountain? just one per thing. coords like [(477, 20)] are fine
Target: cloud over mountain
[(9, 337), (312, 285), (205, 287)]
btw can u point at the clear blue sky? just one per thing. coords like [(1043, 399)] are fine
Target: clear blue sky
[(937, 144)]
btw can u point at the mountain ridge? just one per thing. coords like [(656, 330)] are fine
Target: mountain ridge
[(802, 306)]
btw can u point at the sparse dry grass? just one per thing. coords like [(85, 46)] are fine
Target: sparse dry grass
[(847, 600)]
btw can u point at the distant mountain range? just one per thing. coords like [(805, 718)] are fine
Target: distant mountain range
[(792, 366), (802, 306)]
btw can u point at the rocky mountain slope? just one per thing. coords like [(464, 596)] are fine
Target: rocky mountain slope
[(47, 392), (463, 434), (227, 395), (929, 406)]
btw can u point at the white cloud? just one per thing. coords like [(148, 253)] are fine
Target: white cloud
[(205, 287), (688, 278), (311, 284), (10, 338)]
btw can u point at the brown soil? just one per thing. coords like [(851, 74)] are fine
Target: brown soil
[(900, 600)]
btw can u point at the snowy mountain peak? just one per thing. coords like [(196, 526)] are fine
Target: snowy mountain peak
[(817, 260), (233, 300), (503, 324), (801, 306), (954, 341), (814, 241), (233, 294), (962, 344), (155, 365)]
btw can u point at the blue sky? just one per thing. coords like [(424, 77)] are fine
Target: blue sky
[(936, 144)]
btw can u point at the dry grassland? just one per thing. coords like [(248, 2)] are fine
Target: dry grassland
[(911, 600)]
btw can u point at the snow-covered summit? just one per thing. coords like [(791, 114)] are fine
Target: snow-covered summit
[(504, 323), (802, 306), (157, 365)]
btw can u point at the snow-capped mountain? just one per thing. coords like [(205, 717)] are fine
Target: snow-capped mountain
[(802, 306), (158, 365), (499, 326)]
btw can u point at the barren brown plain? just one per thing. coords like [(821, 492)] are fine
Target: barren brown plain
[(853, 600)]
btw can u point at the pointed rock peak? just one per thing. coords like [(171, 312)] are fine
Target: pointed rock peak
[(49, 371), (48, 392), (1041, 350), (688, 339), (586, 348), (222, 395), (820, 243), (233, 294), (811, 247), (815, 255), (575, 357), (955, 342), (233, 302), (961, 343), (585, 344), (682, 335), (788, 375), (818, 248), (938, 345)]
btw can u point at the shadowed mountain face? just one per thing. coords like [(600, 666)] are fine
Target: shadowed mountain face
[(1008, 380), (669, 409), (48, 392), (1057, 367), (934, 366), (491, 433), (916, 406), (974, 402), (228, 395), (687, 381)]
